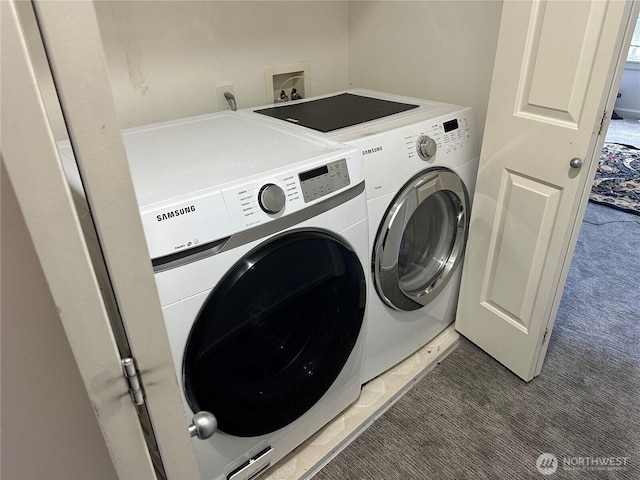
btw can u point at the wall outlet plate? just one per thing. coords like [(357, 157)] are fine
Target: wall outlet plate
[(285, 77), (220, 89)]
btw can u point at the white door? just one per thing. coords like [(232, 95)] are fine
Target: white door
[(557, 63)]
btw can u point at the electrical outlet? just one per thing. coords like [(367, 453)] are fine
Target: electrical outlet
[(286, 77), (220, 89)]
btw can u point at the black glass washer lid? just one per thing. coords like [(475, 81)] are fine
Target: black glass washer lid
[(335, 112)]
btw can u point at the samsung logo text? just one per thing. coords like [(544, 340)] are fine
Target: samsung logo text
[(372, 150), (176, 213)]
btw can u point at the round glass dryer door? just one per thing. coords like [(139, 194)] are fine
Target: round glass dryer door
[(275, 333), (421, 239)]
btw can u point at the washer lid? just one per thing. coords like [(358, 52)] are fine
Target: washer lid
[(339, 111), (175, 158)]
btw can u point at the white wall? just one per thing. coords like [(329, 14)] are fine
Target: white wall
[(629, 102), (439, 50), (165, 58), (48, 426)]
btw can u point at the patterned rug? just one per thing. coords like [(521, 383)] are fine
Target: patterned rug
[(617, 182)]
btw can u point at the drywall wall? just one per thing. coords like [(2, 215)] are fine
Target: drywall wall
[(49, 429), (628, 105), (165, 58), (439, 50)]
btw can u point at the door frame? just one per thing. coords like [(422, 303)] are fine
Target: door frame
[(30, 156), (71, 36)]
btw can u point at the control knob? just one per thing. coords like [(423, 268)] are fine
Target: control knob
[(426, 147), (271, 198)]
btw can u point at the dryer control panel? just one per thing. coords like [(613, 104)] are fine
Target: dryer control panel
[(446, 136), (395, 155)]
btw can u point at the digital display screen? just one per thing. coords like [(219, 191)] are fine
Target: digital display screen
[(450, 125), (316, 172)]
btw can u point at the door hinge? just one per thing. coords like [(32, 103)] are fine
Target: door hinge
[(602, 120), (544, 337), (131, 376)]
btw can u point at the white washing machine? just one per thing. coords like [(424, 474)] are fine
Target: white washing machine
[(258, 237), (421, 161)]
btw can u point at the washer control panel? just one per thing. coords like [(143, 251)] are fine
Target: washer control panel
[(256, 202), (191, 220), (324, 180), (267, 198)]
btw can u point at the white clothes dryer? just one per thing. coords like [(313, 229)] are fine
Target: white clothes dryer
[(258, 236), (421, 161)]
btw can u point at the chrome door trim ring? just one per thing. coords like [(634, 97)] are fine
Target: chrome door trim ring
[(390, 231)]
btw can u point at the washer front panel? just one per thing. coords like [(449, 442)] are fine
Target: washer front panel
[(183, 293), (276, 331)]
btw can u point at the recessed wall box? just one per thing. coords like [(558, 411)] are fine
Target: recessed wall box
[(287, 76)]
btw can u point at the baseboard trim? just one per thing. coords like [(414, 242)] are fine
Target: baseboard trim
[(627, 112)]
